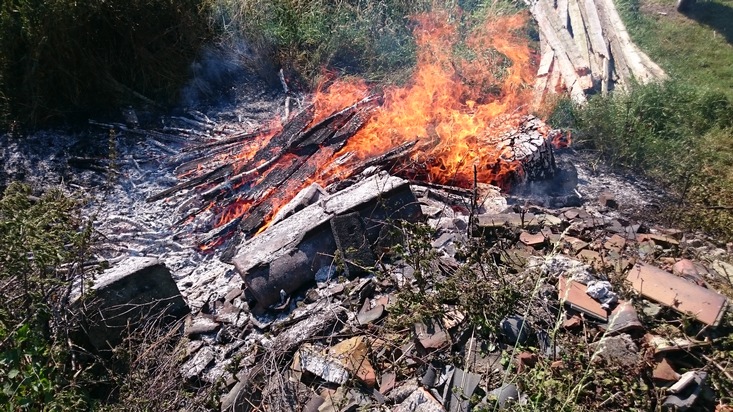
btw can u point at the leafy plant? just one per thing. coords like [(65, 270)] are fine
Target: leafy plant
[(37, 237)]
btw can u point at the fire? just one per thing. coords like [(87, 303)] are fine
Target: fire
[(456, 106), (464, 94)]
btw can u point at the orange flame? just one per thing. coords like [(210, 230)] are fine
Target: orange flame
[(457, 105)]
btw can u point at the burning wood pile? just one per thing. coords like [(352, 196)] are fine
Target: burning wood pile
[(458, 123)]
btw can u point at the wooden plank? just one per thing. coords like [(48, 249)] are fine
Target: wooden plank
[(598, 47), (562, 12), (577, 27), (540, 84), (576, 75), (616, 32), (705, 305)]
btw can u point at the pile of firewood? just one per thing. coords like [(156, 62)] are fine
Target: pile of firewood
[(586, 49)]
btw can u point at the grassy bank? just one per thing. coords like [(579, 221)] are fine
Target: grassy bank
[(679, 133)]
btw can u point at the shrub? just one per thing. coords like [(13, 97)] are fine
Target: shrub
[(37, 236)]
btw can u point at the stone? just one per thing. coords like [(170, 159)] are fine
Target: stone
[(431, 335), (724, 269), (419, 401), (608, 199), (703, 304), (387, 382), (616, 350), (314, 402), (661, 240), (199, 325), (572, 322), (352, 243), (505, 395), (615, 243), (193, 368), (689, 270), (369, 316), (529, 239), (526, 360), (515, 330), (136, 291), (663, 372)]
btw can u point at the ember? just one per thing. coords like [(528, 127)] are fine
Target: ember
[(461, 120)]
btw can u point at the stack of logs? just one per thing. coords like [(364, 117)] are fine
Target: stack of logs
[(585, 49)]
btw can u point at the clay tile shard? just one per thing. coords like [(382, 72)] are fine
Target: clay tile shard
[(574, 295), (705, 305), (530, 239), (431, 335), (661, 240)]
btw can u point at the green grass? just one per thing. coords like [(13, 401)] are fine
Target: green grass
[(696, 48)]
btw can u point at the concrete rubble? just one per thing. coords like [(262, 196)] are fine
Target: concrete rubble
[(356, 359)]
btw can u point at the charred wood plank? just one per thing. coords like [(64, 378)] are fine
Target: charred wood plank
[(218, 173)]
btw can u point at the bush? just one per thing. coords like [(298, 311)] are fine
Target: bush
[(37, 236), (61, 58)]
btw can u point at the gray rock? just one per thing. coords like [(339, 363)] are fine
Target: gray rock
[(515, 330), (133, 293), (616, 350), (505, 395), (194, 367)]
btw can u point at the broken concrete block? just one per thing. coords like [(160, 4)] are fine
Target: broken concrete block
[(287, 255), (616, 350), (703, 304), (686, 391), (136, 291), (420, 400), (351, 241), (303, 199)]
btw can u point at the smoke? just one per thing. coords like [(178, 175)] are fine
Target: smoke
[(225, 72)]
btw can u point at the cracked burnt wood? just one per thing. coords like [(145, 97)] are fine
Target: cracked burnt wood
[(530, 149), (288, 254)]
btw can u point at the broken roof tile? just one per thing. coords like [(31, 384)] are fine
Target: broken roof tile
[(705, 305)]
